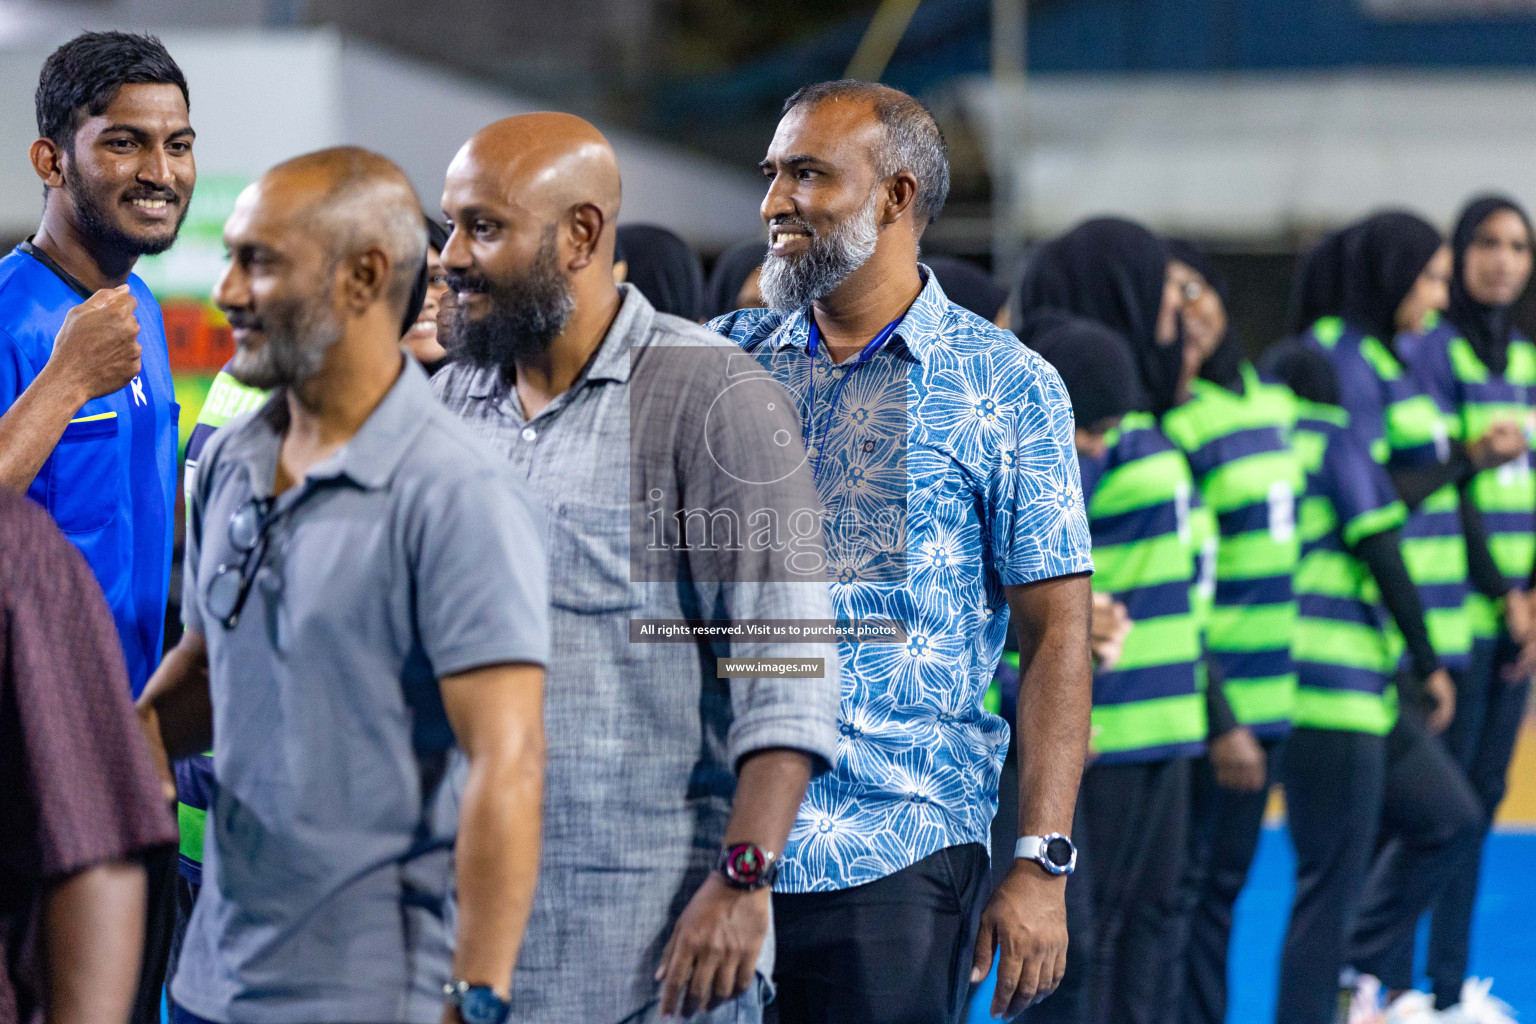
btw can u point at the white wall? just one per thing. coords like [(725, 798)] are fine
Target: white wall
[(1256, 158), (259, 97)]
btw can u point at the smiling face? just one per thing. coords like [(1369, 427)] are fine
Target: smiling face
[(823, 202), (421, 340), (129, 174), (280, 290), (1497, 265)]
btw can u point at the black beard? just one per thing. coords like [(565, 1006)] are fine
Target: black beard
[(105, 235), (526, 315)]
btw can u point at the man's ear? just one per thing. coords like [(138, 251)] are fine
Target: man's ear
[(900, 194), (584, 227), (367, 277), (48, 162)]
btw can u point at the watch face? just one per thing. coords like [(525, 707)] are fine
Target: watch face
[(745, 863), (482, 1006), (1059, 851)]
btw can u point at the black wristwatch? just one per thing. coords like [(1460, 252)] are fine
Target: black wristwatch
[(747, 866), (477, 1004)]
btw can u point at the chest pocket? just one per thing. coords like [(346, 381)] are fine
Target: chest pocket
[(86, 476), (589, 558)]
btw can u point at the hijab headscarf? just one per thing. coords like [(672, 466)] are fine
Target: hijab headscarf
[(1094, 362), (1304, 369), (1112, 271), (968, 286), (731, 271), (1383, 256), (1487, 329), (437, 236), (1317, 290), (1225, 365), (665, 269)]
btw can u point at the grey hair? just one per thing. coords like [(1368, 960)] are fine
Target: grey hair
[(913, 141), (369, 202)]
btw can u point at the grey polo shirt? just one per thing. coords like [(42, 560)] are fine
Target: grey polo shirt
[(409, 555), (643, 738)]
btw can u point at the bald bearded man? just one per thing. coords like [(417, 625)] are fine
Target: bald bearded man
[(672, 777), (365, 590)]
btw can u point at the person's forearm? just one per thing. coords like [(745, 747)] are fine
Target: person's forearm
[(93, 928), (1481, 568), (1414, 485), (1383, 556), (176, 709), (1055, 701), (31, 428), (498, 856), (1219, 716), (769, 787)]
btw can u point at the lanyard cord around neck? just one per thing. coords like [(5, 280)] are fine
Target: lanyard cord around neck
[(865, 355)]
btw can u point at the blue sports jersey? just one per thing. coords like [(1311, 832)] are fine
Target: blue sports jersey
[(110, 484)]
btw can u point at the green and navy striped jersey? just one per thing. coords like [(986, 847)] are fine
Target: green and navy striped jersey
[(1239, 449), (1344, 652), (1479, 398), (1149, 707), (1393, 411), (227, 398)]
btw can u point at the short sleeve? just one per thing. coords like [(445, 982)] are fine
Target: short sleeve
[(16, 372), (1037, 523), (481, 578), (61, 656), (197, 501), (1360, 396), (1361, 492)]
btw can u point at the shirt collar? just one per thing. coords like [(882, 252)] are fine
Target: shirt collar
[(921, 330), (369, 458), (612, 359)]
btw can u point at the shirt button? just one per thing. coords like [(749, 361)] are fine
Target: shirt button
[(837, 371), (529, 433)]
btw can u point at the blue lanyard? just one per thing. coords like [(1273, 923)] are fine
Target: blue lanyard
[(864, 356)]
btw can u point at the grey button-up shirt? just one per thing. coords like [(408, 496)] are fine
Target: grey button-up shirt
[(643, 738), (409, 555)]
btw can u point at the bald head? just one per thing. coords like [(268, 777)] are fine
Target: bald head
[(351, 199), (546, 164), (324, 252), (533, 202)]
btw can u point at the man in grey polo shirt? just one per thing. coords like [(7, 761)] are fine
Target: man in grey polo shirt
[(365, 591), (670, 789)]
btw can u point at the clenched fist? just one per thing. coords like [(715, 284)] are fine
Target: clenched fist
[(97, 350)]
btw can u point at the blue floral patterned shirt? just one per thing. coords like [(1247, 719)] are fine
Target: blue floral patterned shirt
[(945, 465)]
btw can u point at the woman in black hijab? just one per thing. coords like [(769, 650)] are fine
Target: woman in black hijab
[(1481, 367), (664, 268), (1095, 365), (1116, 272), (420, 339), (733, 282), (970, 287)]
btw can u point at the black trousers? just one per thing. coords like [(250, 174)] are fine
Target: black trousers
[(1431, 822), (1132, 831), (1481, 739), (159, 927), (1224, 836), (894, 951), (1333, 791)]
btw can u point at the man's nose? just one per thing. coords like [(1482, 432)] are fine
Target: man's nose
[(777, 203)]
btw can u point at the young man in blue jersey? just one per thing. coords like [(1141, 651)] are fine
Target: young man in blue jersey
[(89, 424)]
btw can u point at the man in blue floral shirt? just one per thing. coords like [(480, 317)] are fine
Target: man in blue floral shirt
[(942, 451)]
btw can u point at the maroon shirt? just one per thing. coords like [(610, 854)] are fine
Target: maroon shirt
[(77, 787)]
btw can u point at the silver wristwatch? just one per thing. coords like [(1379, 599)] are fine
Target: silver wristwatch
[(1054, 852)]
